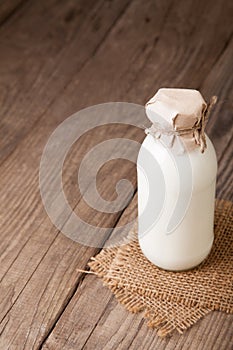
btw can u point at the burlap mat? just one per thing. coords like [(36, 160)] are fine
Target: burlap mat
[(172, 300)]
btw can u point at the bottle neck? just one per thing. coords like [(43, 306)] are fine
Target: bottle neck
[(184, 140)]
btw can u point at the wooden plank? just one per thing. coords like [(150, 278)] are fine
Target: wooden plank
[(43, 272), (69, 34), (8, 8), (28, 222), (23, 252), (35, 142), (42, 256), (220, 127)]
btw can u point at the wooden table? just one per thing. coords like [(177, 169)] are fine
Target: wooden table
[(57, 57)]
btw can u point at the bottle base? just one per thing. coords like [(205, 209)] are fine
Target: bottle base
[(178, 266)]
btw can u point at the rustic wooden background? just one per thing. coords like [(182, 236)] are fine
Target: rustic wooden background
[(57, 57)]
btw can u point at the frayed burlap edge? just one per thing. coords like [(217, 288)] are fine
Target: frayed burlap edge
[(160, 316)]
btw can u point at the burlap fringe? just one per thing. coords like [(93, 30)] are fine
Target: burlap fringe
[(135, 303)]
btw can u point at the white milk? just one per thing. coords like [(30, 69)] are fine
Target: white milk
[(163, 178)]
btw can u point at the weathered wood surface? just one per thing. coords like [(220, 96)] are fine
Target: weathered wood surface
[(59, 57)]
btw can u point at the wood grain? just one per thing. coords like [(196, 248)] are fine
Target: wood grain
[(36, 65), (83, 55), (110, 326), (8, 8)]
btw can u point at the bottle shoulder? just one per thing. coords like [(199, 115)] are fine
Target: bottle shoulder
[(158, 150), (201, 166)]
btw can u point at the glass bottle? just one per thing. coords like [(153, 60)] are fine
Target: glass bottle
[(176, 169)]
